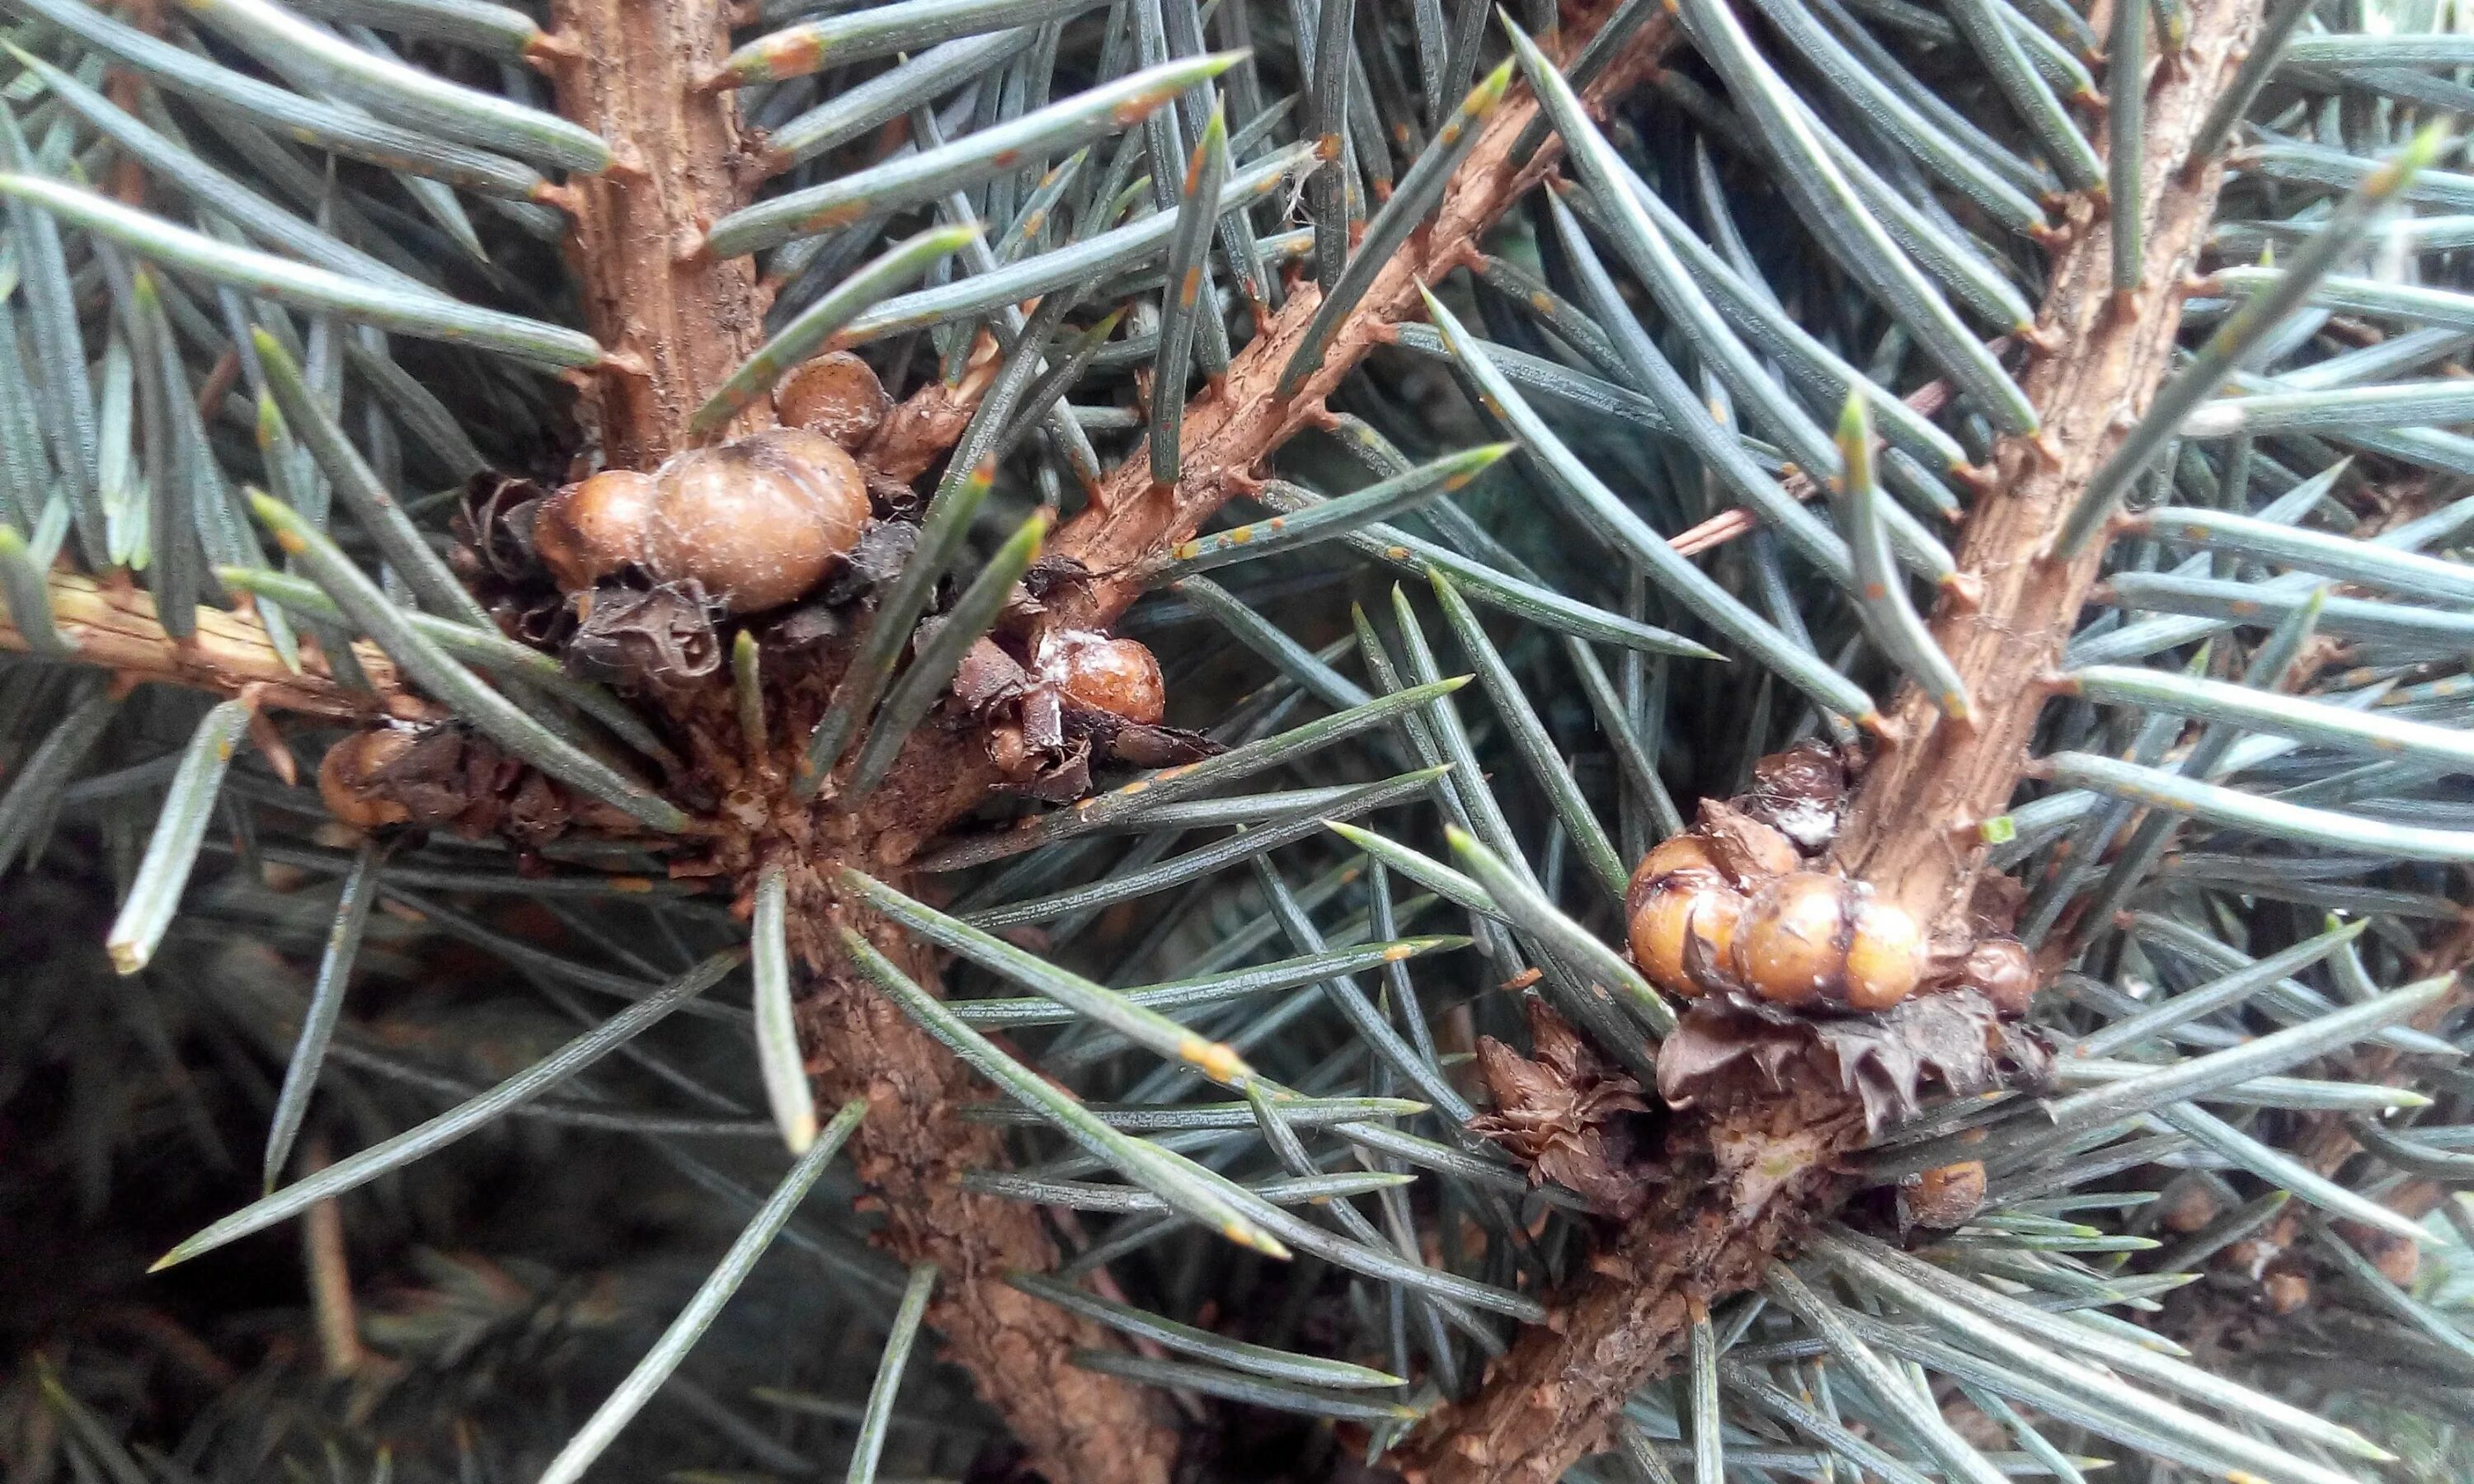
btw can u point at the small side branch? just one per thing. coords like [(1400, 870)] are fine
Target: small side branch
[(1233, 427), (114, 626)]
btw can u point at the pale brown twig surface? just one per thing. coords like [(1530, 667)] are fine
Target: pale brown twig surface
[(113, 625)]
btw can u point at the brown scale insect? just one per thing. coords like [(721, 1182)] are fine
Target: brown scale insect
[(593, 528), (2285, 1291), (836, 395), (350, 783), (1677, 895), (1941, 1197), (1700, 908), (1811, 938), (1732, 906), (1117, 676)]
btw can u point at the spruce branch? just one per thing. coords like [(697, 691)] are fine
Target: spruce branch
[(679, 319), (820, 809), (1245, 417), (1746, 1181)]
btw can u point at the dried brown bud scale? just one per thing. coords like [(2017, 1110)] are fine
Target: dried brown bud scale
[(1748, 851), (1800, 792)]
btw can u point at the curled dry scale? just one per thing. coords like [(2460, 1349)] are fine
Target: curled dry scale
[(1711, 906)]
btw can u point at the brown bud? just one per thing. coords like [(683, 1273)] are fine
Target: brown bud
[(349, 782), (836, 395), (2001, 969), (1116, 676), (1811, 938), (1944, 1196), (592, 528), (756, 522)]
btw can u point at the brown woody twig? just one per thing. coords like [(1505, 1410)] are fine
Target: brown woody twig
[(676, 318), (113, 625)]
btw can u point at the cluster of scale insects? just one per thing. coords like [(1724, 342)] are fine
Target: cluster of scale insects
[(1739, 905), (766, 530)]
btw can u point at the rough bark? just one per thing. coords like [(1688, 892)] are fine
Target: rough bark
[(912, 1149), (2088, 396), (676, 318), (1911, 834)]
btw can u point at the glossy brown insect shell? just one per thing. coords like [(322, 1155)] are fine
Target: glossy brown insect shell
[(2286, 1292), (758, 522), (348, 779), (1678, 894), (1675, 914), (2188, 1207), (592, 528), (2003, 970), (1117, 676), (1886, 958), (836, 395), (1810, 938), (1944, 1196)]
